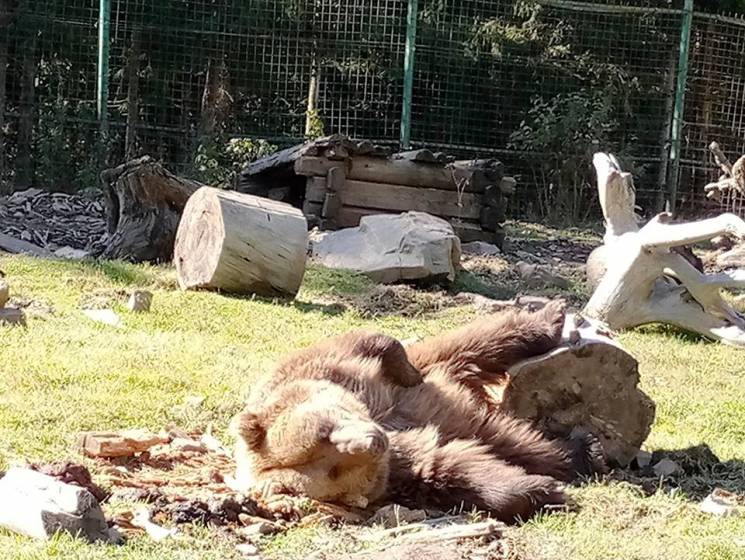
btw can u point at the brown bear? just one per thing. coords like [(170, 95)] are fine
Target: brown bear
[(358, 418)]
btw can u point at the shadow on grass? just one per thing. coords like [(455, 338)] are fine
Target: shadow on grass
[(701, 471)]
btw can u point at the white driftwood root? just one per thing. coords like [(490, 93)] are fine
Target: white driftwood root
[(240, 243), (646, 281)]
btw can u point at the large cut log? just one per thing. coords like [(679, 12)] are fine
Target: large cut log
[(589, 383), (241, 244), (647, 278), (143, 205)]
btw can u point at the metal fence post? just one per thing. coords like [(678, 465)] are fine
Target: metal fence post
[(411, 20), (102, 82), (677, 127)]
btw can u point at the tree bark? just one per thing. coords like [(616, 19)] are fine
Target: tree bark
[(647, 279), (144, 203), (3, 94), (133, 98), (26, 118), (240, 243)]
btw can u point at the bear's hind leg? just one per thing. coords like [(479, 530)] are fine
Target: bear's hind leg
[(464, 473), (488, 347)]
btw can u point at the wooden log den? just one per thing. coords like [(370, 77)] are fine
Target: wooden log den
[(240, 244), (337, 181)]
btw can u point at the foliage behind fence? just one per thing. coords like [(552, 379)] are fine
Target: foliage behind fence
[(541, 84)]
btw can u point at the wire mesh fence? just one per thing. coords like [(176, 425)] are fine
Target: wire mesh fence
[(205, 85)]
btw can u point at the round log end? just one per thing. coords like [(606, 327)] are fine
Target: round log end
[(239, 243), (199, 240)]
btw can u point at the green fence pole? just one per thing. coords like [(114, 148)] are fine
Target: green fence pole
[(102, 89), (411, 18), (677, 127)]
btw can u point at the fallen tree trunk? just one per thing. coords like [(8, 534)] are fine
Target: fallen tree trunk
[(647, 280), (143, 205), (240, 243)]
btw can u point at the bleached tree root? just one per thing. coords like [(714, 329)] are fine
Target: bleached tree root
[(647, 280)]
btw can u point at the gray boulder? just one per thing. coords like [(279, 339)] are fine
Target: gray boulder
[(391, 248)]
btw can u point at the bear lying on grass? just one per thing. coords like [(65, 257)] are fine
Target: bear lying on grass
[(358, 419)]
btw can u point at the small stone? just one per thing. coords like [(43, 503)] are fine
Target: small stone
[(38, 505), (70, 253), (666, 467), (255, 526), (105, 316), (4, 291), (140, 301), (188, 445), (480, 249), (247, 550), (720, 503), (538, 276), (12, 316), (394, 515), (643, 459)]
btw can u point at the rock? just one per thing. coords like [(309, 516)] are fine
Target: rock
[(721, 504), (666, 467), (390, 248), (38, 505), (118, 444), (480, 249), (540, 276), (254, 527), (4, 291), (12, 316), (247, 550), (394, 515), (643, 459), (105, 316), (142, 520), (71, 473), (140, 301), (72, 254), (188, 445)]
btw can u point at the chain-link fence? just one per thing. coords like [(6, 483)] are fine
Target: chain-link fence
[(205, 85)]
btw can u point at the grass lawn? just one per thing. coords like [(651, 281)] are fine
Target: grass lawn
[(65, 374)]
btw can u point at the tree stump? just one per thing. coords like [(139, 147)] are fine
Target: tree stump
[(649, 278), (143, 205), (241, 244)]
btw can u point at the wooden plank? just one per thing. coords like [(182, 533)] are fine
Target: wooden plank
[(395, 172), (312, 166), (398, 198), (335, 179)]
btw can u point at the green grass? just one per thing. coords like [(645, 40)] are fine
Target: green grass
[(64, 374)]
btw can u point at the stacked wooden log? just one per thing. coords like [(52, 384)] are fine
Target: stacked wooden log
[(338, 181)]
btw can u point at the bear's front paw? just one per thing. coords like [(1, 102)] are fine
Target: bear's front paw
[(358, 437)]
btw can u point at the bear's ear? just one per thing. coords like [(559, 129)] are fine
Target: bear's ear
[(251, 429)]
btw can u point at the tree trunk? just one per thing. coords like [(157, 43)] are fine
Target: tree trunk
[(3, 94), (241, 243), (216, 100), (6, 16), (144, 203), (133, 98), (26, 118), (647, 279)]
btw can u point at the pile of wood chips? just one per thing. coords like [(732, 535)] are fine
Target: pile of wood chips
[(54, 221)]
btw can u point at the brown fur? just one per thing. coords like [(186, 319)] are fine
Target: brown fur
[(352, 420)]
